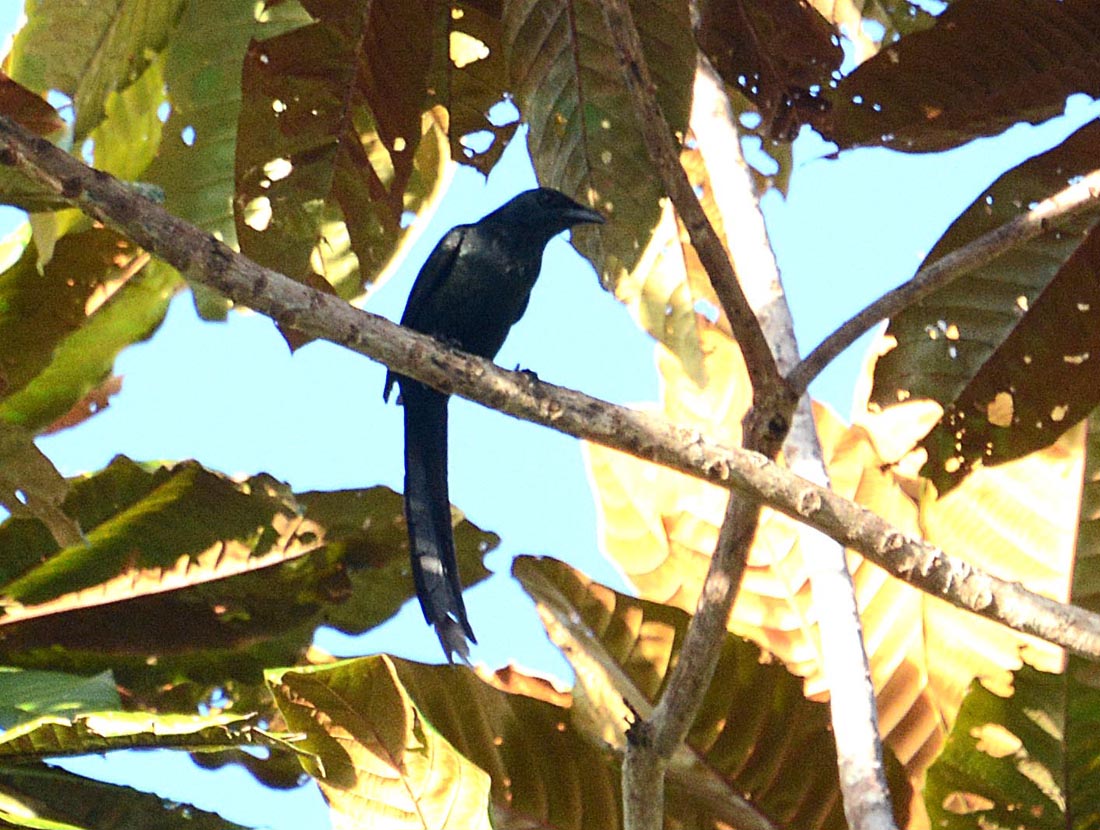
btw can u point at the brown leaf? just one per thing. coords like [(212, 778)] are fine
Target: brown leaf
[(984, 66), (779, 53), (27, 109)]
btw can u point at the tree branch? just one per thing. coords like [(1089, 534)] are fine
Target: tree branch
[(1076, 198), (764, 429), (206, 260), (844, 660), (665, 155)]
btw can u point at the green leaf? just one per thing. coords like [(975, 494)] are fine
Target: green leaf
[(191, 583), (127, 140), (25, 695), (49, 798), (88, 51), (984, 66), (778, 760), (335, 156), (585, 138), (1026, 761), (378, 759), (62, 328)]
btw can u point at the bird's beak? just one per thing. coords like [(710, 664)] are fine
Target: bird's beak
[(580, 215)]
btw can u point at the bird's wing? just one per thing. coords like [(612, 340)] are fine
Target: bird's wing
[(434, 271)]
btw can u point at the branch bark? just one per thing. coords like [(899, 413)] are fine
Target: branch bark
[(206, 260), (852, 704)]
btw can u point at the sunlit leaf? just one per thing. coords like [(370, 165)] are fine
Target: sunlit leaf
[(378, 761)]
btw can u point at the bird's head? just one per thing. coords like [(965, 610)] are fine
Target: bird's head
[(544, 213)]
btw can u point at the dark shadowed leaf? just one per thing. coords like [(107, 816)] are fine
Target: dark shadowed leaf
[(779, 53), (584, 136), (476, 78), (777, 759), (1026, 761), (54, 795), (334, 112), (984, 66), (944, 343), (191, 581), (1043, 379)]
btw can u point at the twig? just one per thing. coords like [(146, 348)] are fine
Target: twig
[(665, 155), (204, 259), (764, 428), (1074, 199)]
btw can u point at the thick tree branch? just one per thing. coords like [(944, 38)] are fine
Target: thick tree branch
[(1078, 197), (208, 261)]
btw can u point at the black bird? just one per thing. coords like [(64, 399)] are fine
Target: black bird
[(473, 287)]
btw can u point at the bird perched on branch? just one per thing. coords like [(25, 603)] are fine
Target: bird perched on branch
[(474, 286)]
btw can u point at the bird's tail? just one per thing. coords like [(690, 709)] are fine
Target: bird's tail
[(428, 513)]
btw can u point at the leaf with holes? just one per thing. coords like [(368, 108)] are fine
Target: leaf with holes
[(984, 66), (1025, 760), (778, 53), (584, 134), (1043, 379), (335, 114)]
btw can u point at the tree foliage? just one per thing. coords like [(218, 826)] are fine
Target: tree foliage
[(165, 604)]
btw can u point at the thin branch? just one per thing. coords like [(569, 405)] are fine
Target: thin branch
[(665, 155), (764, 429), (206, 260), (1077, 198), (844, 660)]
